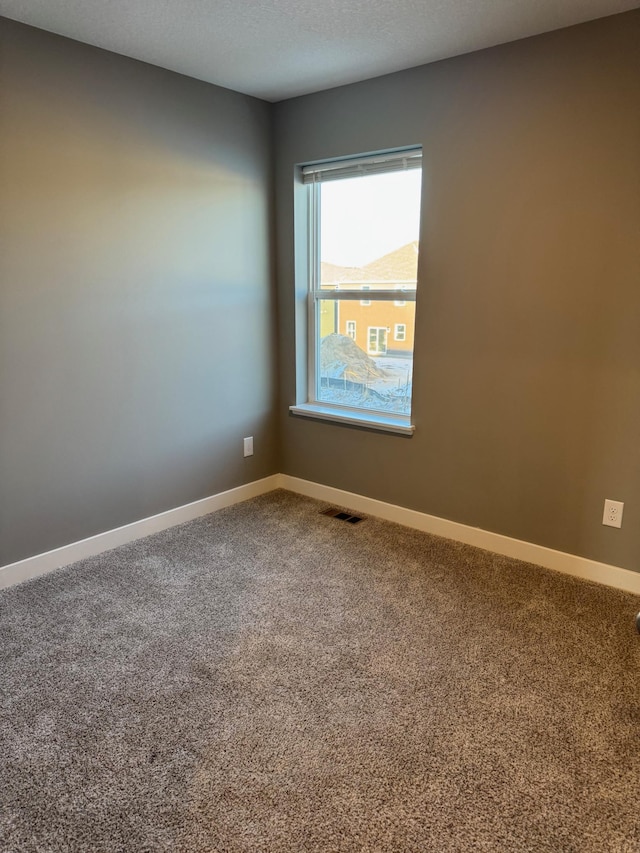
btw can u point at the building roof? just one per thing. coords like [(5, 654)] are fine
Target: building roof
[(400, 265)]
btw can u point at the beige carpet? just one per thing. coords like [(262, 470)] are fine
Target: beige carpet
[(271, 679)]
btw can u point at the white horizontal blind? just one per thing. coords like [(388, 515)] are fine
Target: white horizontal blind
[(398, 161)]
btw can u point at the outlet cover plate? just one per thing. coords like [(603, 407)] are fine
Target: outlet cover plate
[(612, 516)]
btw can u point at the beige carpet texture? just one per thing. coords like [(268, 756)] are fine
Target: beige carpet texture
[(268, 678)]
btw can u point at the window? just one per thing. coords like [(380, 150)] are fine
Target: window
[(377, 340), (363, 218)]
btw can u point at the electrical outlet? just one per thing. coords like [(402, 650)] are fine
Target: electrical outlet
[(613, 513), (248, 446)]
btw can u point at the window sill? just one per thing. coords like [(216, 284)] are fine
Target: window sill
[(368, 420)]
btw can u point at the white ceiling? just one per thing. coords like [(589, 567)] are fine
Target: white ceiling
[(276, 49)]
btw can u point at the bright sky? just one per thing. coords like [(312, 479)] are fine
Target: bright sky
[(365, 218)]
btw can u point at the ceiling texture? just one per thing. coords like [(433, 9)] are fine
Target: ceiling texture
[(277, 49)]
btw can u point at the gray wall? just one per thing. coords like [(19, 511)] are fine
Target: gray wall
[(527, 383), (136, 327)]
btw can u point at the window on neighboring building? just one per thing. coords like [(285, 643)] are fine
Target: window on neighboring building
[(377, 340), (363, 219), (399, 303)]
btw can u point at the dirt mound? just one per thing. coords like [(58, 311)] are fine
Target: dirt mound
[(342, 358)]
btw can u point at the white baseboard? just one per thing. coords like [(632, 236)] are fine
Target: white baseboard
[(559, 561), (51, 560)]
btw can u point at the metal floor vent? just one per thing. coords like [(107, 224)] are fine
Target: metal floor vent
[(342, 516)]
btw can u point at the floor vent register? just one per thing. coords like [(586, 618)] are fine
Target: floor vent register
[(333, 512)]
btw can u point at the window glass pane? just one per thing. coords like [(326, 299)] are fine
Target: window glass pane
[(369, 231), (360, 362)]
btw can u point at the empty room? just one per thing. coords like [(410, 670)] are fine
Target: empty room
[(319, 426)]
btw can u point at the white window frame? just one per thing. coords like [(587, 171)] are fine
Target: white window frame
[(377, 329), (400, 303), (351, 329), (313, 175), (396, 332), (365, 302)]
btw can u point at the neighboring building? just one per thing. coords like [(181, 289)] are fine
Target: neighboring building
[(379, 328)]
